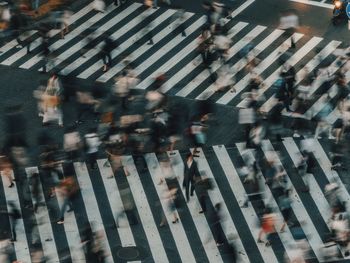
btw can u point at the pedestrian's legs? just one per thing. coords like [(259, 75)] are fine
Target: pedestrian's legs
[(292, 44), (109, 59), (63, 208), (192, 187), (92, 160), (150, 38), (13, 229), (131, 217), (202, 201)]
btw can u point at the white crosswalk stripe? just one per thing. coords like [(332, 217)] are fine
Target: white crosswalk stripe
[(21, 246), (102, 195), (176, 55), (44, 225)]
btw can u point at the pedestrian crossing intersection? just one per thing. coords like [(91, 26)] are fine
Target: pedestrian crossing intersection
[(101, 201), (176, 55)]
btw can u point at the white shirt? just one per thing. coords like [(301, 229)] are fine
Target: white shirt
[(290, 21), (93, 142), (71, 141)]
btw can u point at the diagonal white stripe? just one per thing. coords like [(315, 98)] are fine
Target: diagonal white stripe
[(286, 237), (215, 196), (177, 230), (238, 191), (299, 209), (145, 213), (242, 84), (205, 74), (141, 50), (74, 18), (115, 201), (242, 62), (176, 57), (267, 83), (311, 65), (199, 220), (314, 189)]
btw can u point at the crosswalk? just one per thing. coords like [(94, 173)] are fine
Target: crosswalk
[(177, 56), (101, 202)]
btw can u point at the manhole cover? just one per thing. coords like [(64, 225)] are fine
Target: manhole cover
[(128, 253)]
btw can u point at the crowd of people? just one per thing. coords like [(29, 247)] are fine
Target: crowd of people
[(117, 120)]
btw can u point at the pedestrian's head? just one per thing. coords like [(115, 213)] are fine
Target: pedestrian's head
[(218, 206)]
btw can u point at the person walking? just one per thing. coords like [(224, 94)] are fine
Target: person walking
[(289, 21), (6, 169), (215, 221), (65, 22), (14, 215), (170, 198), (285, 204), (72, 144), (268, 222), (106, 50), (190, 174), (92, 143), (68, 188), (202, 185)]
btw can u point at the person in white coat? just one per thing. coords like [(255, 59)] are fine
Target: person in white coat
[(99, 6)]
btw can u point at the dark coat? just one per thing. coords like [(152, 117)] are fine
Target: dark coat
[(190, 174)]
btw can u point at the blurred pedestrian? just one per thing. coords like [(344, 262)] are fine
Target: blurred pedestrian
[(85, 106), (198, 130), (285, 204), (179, 18), (72, 144), (268, 222), (68, 188), (92, 143), (203, 184), (129, 207), (14, 215), (289, 21), (35, 191), (65, 22), (115, 147), (170, 199), (99, 6), (108, 46), (6, 169), (215, 221)]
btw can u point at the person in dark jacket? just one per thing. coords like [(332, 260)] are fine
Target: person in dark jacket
[(190, 174), (106, 52), (14, 215)]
